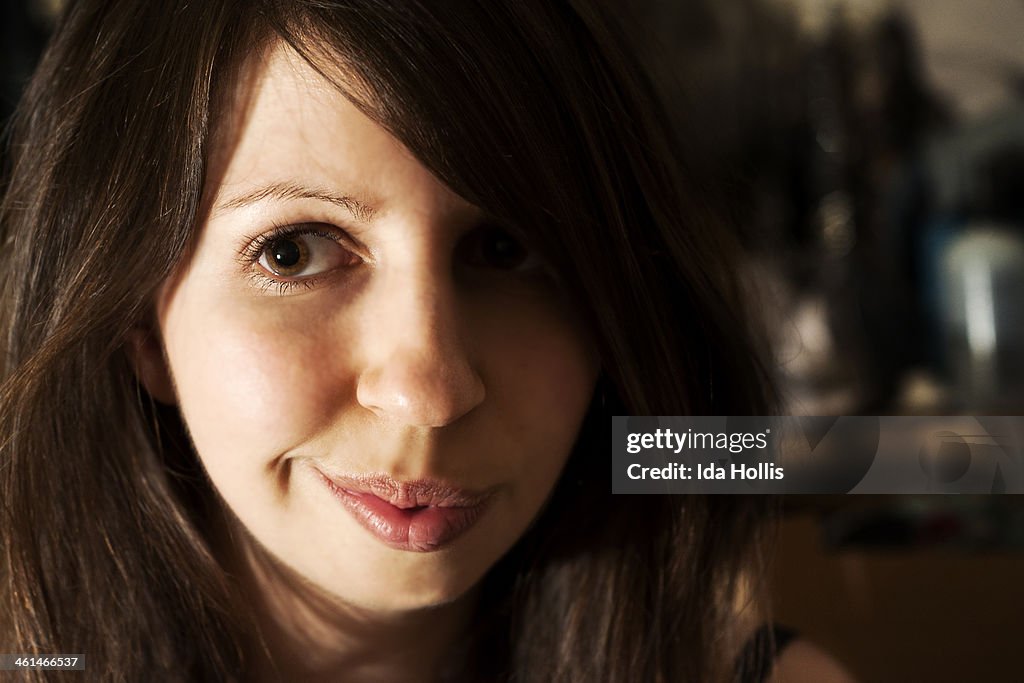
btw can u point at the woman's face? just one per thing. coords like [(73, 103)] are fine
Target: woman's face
[(381, 385)]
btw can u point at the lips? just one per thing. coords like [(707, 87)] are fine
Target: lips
[(419, 516)]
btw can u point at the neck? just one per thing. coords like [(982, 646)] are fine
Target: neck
[(306, 634)]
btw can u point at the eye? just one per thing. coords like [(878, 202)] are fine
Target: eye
[(494, 247), (302, 252)]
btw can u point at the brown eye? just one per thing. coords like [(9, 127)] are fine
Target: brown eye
[(300, 255), (493, 247), (286, 255)]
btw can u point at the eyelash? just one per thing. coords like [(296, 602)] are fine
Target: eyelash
[(256, 244)]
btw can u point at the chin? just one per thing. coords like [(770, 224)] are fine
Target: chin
[(405, 596)]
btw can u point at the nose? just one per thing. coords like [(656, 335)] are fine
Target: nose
[(417, 370)]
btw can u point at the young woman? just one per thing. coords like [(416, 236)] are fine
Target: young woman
[(315, 315)]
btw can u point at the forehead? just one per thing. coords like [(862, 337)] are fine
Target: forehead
[(283, 122)]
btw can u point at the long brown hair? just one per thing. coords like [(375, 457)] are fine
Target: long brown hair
[(532, 110)]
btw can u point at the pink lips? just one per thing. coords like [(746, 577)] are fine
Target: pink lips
[(420, 516)]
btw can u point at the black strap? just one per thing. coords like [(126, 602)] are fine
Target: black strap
[(759, 654)]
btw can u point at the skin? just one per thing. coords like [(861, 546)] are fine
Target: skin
[(801, 661), (413, 353)]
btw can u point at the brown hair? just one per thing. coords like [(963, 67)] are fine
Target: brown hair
[(533, 111)]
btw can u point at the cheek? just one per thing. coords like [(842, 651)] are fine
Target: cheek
[(543, 373), (250, 383)]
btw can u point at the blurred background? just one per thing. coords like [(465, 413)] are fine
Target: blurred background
[(873, 158), (871, 155)]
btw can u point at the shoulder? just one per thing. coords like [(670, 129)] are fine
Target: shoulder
[(803, 662), (773, 653)]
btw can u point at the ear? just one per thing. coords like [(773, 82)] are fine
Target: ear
[(146, 355)]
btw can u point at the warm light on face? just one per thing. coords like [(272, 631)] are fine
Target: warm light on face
[(345, 314)]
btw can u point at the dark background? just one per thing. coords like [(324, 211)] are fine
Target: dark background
[(871, 155)]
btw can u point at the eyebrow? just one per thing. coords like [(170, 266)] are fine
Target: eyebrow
[(360, 210)]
